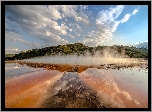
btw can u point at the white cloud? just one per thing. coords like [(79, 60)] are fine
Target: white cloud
[(141, 44), (46, 22), (82, 18), (70, 24), (106, 25), (70, 30), (71, 36), (135, 11), (54, 39), (14, 37), (78, 27), (68, 10), (117, 11), (15, 49), (71, 11), (50, 12), (83, 7), (60, 30), (39, 21), (126, 17), (55, 14), (77, 34), (47, 33), (109, 15), (11, 50)]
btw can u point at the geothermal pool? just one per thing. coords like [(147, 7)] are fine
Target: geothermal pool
[(28, 87), (82, 60)]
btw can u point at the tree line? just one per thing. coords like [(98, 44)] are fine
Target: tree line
[(79, 49)]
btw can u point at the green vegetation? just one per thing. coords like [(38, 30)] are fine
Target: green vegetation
[(9, 55), (79, 49), (133, 52)]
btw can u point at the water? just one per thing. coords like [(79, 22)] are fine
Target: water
[(14, 69), (27, 87), (114, 88), (126, 87)]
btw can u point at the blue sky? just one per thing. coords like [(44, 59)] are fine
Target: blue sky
[(29, 27)]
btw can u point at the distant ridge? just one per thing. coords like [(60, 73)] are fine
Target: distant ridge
[(80, 49)]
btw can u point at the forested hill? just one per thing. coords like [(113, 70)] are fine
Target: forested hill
[(80, 49)]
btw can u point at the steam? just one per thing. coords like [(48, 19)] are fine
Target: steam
[(107, 56)]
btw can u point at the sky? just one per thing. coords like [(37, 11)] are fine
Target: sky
[(37, 26)]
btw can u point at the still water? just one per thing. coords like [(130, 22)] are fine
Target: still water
[(126, 87), (115, 88)]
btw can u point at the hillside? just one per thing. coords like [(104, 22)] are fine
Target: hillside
[(9, 55), (80, 49)]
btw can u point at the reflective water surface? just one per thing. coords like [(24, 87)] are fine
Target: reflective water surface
[(125, 87), (113, 88)]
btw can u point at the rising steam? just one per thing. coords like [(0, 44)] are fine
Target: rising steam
[(108, 56)]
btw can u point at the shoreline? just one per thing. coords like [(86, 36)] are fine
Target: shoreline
[(80, 68)]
